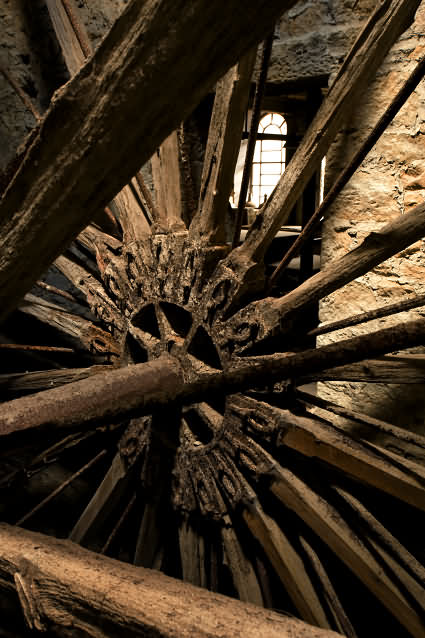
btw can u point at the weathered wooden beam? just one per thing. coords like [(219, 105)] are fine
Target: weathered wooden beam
[(372, 429), (76, 48), (44, 379), (103, 396), (287, 563), (391, 369), (85, 151), (224, 140), (335, 530), (65, 588), (137, 389), (167, 181), (384, 311), (272, 316), (386, 24), (343, 178)]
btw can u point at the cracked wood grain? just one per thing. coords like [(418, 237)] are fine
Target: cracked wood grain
[(84, 152), (65, 588)]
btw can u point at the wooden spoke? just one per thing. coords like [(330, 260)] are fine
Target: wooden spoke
[(118, 525), (287, 563), (367, 53), (279, 315), (105, 498), (317, 438), (192, 553), (221, 154), (35, 381), (76, 48), (167, 180), (340, 617), (385, 311), (252, 139), (89, 336), (150, 548), (313, 437), (69, 156), (244, 577), (72, 37), (336, 532), (387, 435), (397, 369), (387, 545), (60, 488)]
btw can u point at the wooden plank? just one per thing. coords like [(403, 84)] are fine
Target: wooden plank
[(192, 553), (272, 316), (45, 379), (287, 563), (70, 44), (85, 150), (61, 585), (324, 519), (221, 154), (244, 577), (315, 438), (167, 178), (372, 429), (389, 369), (76, 48), (341, 619)]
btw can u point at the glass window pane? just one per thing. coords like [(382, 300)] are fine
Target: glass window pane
[(255, 195), (257, 152), (272, 156), (271, 145), (273, 130), (269, 180), (265, 121), (271, 169), (277, 119), (256, 173)]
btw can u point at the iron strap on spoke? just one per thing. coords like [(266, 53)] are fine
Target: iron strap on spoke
[(406, 90), (255, 120)]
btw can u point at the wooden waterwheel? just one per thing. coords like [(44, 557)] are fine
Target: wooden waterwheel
[(184, 444)]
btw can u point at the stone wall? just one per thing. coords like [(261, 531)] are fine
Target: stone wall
[(390, 181), (30, 54)]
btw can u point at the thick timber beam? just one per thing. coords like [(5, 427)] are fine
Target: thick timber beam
[(142, 81), (139, 388), (65, 588), (270, 317)]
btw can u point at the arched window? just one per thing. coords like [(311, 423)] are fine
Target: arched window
[(269, 157)]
